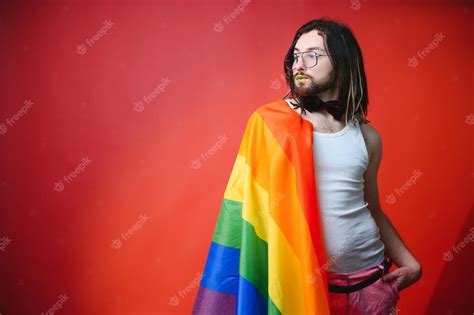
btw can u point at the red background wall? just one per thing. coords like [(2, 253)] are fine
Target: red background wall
[(147, 160)]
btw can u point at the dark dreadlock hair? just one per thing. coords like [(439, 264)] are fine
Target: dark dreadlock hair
[(346, 58)]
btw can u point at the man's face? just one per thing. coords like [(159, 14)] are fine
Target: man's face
[(318, 79)]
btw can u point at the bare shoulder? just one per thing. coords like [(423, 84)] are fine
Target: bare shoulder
[(372, 138)]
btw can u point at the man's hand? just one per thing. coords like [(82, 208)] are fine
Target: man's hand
[(404, 276)]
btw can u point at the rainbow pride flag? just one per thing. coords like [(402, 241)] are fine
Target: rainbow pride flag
[(267, 248)]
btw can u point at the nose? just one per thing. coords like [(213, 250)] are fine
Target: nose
[(299, 65)]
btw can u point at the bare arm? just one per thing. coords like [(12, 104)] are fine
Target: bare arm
[(409, 269)]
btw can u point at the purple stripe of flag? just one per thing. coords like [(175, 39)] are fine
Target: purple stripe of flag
[(213, 302)]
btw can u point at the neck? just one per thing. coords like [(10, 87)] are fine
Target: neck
[(329, 95)]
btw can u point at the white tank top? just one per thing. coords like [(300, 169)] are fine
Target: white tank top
[(351, 236)]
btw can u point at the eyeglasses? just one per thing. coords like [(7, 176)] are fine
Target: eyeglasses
[(310, 59)]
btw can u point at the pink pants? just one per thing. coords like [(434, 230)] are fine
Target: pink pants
[(378, 298)]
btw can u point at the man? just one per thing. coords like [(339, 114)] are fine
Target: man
[(325, 64), (284, 245)]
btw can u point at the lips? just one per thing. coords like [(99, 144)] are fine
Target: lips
[(301, 77)]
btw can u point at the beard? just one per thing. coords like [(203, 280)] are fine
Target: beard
[(308, 97), (314, 88)]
